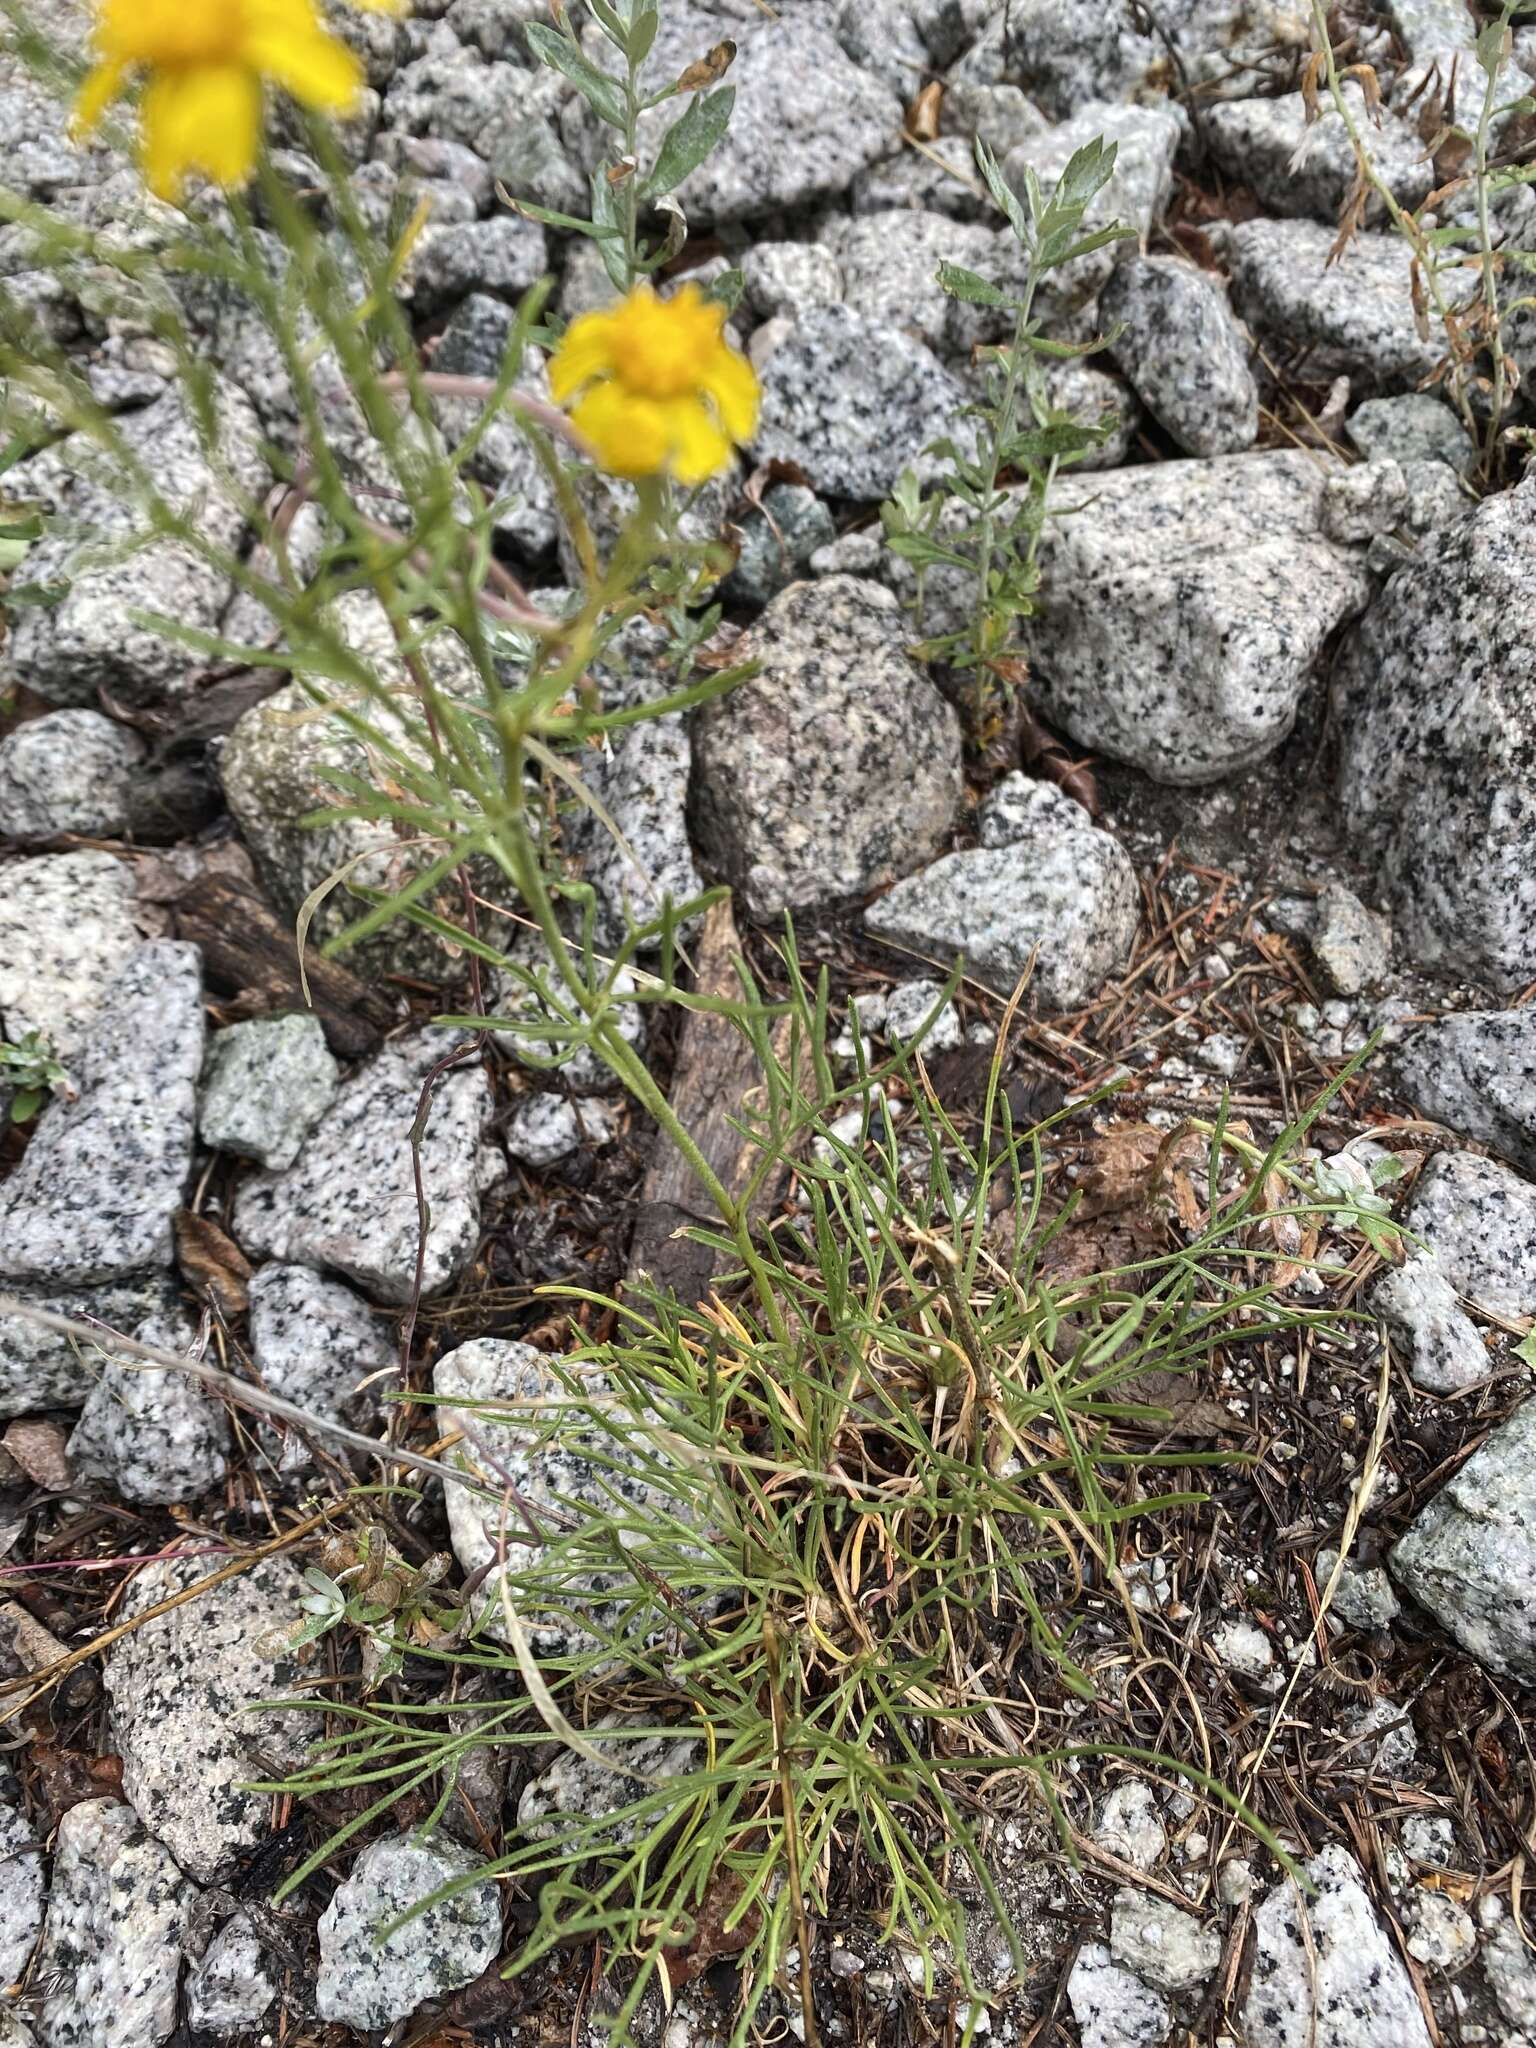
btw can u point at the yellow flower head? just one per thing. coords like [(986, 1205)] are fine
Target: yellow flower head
[(654, 385), (206, 63)]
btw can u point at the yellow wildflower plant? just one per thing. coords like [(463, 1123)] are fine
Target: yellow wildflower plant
[(654, 386), (206, 64)]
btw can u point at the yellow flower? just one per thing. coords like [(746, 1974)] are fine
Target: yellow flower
[(206, 63), (654, 385)]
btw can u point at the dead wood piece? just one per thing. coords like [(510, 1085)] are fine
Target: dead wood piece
[(248, 949), (715, 1072)]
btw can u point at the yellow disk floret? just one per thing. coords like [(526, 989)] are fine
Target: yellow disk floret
[(205, 64), (654, 385)]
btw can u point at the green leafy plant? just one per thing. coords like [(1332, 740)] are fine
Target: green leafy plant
[(977, 526), (31, 1070)]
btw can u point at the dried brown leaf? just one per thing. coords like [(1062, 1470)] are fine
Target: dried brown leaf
[(212, 1264), (923, 115), (710, 69), (38, 1448)]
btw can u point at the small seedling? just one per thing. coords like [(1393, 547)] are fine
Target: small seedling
[(30, 1068)]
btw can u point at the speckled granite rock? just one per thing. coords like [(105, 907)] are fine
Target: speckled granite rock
[(66, 931), (1184, 353), (1060, 885), (1183, 608), (543, 1453), (13, 2033), (1353, 318), (882, 38), (1476, 1072), (92, 1200), (1470, 1557), (363, 1984), (1350, 943), (573, 1789), (1363, 1597), (890, 262), (1166, 1948), (273, 767), (1362, 502), (181, 1687), (776, 542), (1066, 51), (837, 767), (1341, 1984), (111, 1949), (90, 641), (68, 772), (853, 403), (942, 179), (349, 1201), (152, 1433), (1436, 1337), (42, 1368), (1479, 1221), (807, 118), (545, 1129), (1297, 166), (312, 1341), (265, 1083), (786, 277), (23, 1886), (451, 259), (1112, 2007), (1434, 697), (1413, 427), (234, 1983)]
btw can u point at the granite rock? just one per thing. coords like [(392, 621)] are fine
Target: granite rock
[(66, 932), (1297, 166), (313, 1341), (275, 766), (368, 1984), (835, 768), (71, 771), (882, 37), (1340, 1983), (1413, 427), (786, 277), (1434, 699), (941, 178), (1479, 1221), (1439, 1340), (150, 1432), (503, 256), (776, 541), (1351, 944), (1113, 2008), (1183, 608), (544, 1129), (234, 1983), (182, 1687), (1001, 116), (889, 264), (573, 1790), (43, 1368), (111, 1949), (90, 641), (1063, 891), (852, 403), (544, 1452), (349, 1201), (1363, 1597), (1510, 1972), (23, 1885), (1362, 502), (1354, 317), (1476, 1072), (1165, 1947), (265, 1083), (1470, 1556), (1064, 52), (1131, 1827), (93, 1198), (1184, 353)]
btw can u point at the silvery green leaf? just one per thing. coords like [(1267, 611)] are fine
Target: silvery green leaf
[(965, 284), (690, 140), (603, 94), (1002, 192)]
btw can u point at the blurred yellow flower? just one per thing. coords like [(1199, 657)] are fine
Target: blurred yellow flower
[(206, 63), (654, 385)]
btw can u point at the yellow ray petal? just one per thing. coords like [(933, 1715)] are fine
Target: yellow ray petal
[(100, 88), (699, 449), (732, 383), (314, 67), (630, 436), (585, 352), (204, 118)]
